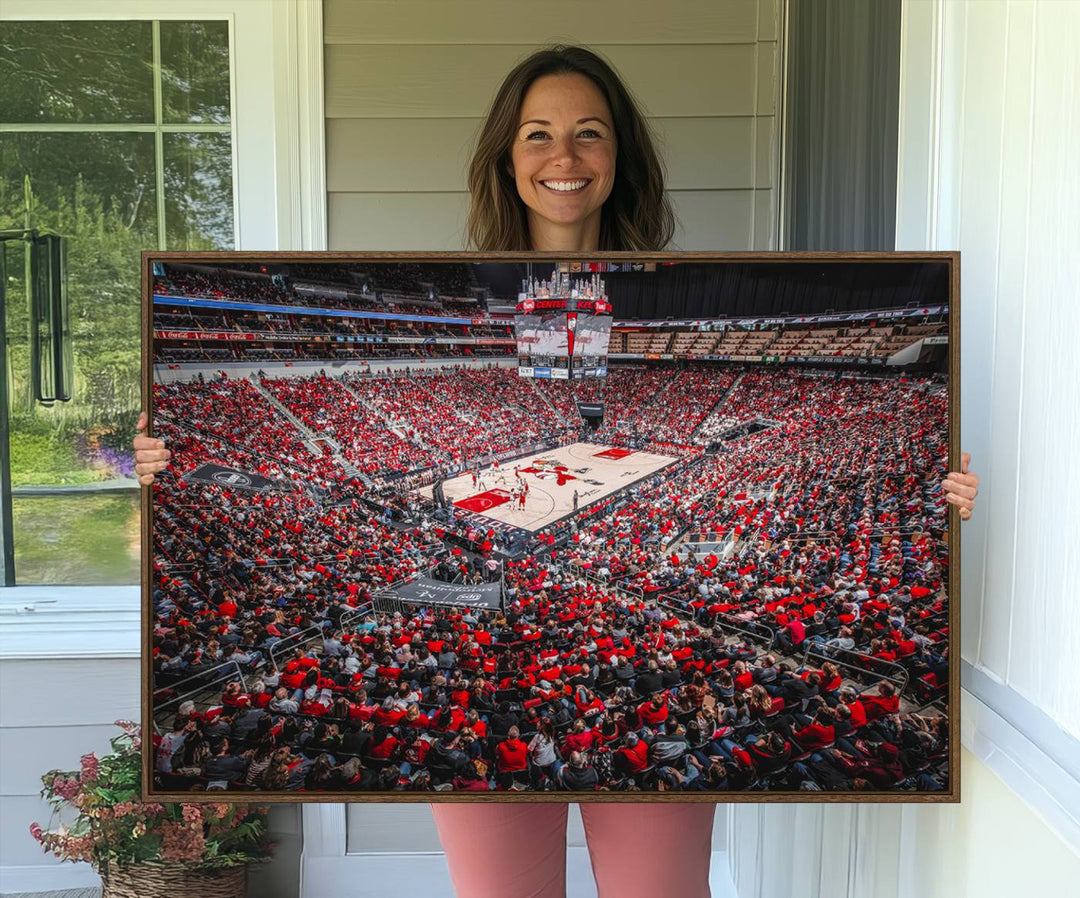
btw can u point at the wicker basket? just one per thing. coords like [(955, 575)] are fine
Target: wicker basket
[(149, 880)]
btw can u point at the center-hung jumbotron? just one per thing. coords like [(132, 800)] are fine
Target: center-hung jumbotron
[(679, 519)]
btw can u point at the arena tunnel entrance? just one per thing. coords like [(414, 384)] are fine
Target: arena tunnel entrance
[(746, 429)]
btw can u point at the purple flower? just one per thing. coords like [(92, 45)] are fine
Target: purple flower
[(120, 464)]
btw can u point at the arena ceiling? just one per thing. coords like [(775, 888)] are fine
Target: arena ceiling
[(760, 289)]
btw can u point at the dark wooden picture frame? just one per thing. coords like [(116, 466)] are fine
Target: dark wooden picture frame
[(796, 267)]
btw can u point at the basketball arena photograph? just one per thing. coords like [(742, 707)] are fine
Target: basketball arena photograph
[(620, 530)]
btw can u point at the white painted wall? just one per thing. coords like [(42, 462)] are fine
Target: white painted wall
[(1003, 187), (989, 142), (991, 844)]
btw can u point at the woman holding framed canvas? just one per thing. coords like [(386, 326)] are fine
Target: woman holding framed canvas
[(565, 162)]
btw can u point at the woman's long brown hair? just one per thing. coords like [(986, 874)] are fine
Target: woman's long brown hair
[(637, 214)]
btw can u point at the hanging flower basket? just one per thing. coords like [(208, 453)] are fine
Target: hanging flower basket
[(173, 881), (149, 849)]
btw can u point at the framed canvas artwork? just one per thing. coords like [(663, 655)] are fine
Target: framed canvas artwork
[(507, 527)]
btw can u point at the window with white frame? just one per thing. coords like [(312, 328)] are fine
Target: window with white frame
[(117, 136)]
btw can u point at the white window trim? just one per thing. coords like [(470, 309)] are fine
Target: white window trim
[(300, 123), (278, 128), (1034, 757), (280, 202), (38, 622)]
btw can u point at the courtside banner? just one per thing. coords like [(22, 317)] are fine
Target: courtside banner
[(425, 591), (235, 479)]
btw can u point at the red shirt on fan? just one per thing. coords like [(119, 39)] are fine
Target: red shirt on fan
[(858, 714), (814, 736), (416, 752), (384, 749), (387, 717), (511, 755), (578, 741), (637, 758), (880, 705), (744, 681), (651, 715), (593, 707)]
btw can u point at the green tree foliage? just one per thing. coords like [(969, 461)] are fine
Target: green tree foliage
[(76, 72), (106, 230), (98, 189)]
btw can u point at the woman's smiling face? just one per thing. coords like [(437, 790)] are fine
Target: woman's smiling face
[(563, 160)]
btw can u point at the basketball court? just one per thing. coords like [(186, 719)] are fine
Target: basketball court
[(594, 471)]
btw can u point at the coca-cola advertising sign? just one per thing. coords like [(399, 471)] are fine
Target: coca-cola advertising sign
[(202, 335)]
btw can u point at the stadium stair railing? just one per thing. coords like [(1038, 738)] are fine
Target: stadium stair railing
[(862, 664), (221, 673)]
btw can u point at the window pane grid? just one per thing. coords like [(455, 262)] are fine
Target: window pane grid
[(159, 127), (181, 120)]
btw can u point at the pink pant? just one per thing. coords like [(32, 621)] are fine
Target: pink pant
[(495, 850)]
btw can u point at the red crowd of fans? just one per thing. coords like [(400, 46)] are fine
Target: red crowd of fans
[(465, 412), (618, 662)]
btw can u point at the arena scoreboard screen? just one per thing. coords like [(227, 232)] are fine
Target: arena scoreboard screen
[(562, 328)]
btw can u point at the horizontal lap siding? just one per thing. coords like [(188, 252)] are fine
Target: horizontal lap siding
[(28, 752), (460, 80), (396, 221), (432, 154), (79, 699), (408, 84), (707, 219), (73, 692), (524, 22)]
